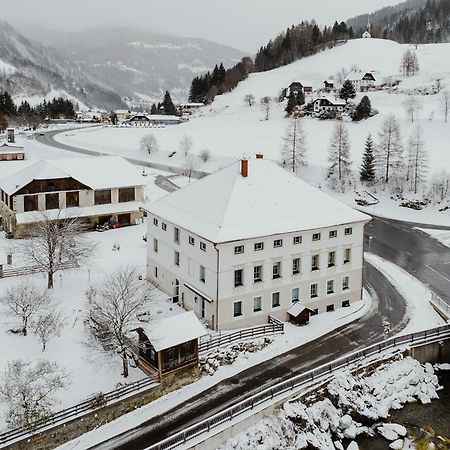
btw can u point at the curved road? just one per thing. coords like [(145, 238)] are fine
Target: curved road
[(399, 242)]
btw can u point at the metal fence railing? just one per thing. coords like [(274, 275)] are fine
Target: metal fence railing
[(311, 376), (440, 305), (274, 326), (78, 410)]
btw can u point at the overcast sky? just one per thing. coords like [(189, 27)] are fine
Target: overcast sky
[(244, 24)]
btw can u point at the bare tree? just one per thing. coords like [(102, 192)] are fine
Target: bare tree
[(266, 104), (389, 150), (114, 306), (48, 324), (445, 103), (440, 186), (25, 301), (249, 99), (339, 155), (149, 144), (190, 164), (293, 152), (205, 155), (55, 242), (412, 105), (341, 76), (186, 144), (417, 159), (28, 390), (410, 63)]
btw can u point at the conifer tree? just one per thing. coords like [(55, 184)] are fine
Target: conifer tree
[(363, 109), (347, 91), (291, 104), (367, 171), (300, 98), (339, 154), (169, 107)]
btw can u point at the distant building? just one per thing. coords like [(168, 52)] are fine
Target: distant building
[(123, 115), (366, 34), (102, 189), (295, 87), (328, 85), (361, 80), (11, 152), (328, 104), (143, 119), (249, 241), (89, 116), (189, 108)]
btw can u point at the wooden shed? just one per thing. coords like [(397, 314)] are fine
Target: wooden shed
[(171, 344), (299, 314)]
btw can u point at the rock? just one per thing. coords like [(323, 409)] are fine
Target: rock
[(353, 446), (338, 445), (391, 431), (350, 432), (396, 445), (345, 422)]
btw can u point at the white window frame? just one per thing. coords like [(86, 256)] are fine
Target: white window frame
[(257, 279), (348, 231), (277, 243), (155, 221), (296, 262), (347, 255), (276, 270), (315, 266), (202, 274), (331, 258), (176, 235), (202, 246), (279, 299), (332, 234), (239, 249), (330, 291), (345, 283), (164, 226), (176, 258), (260, 304), (258, 246), (297, 298), (155, 245), (241, 271), (296, 240), (316, 237), (239, 302), (313, 290), (191, 240)]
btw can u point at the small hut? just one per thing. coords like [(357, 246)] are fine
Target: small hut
[(299, 314), (170, 344)]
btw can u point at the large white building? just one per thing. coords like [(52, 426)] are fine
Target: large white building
[(248, 241)]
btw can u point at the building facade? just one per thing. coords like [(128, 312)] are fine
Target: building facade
[(233, 276)]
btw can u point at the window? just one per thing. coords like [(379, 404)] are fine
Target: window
[(156, 271), (316, 237), (238, 249), (345, 283), (313, 290), (259, 246), (330, 308), (315, 262), (347, 255), (52, 201), (30, 203), (332, 234), (346, 303), (176, 235), (164, 226), (257, 273), (72, 199), (202, 274), (275, 299), (276, 270), (155, 222), (314, 312), (277, 243), (155, 245), (295, 294), (102, 197), (126, 195), (330, 287), (238, 277), (295, 266), (176, 258), (191, 240), (348, 231), (237, 308), (297, 240), (257, 304), (331, 259), (203, 246)]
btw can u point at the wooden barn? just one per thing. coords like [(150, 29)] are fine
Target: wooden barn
[(171, 344), (299, 314)]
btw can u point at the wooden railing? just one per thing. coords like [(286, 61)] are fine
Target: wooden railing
[(18, 271)]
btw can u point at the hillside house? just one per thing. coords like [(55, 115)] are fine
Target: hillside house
[(11, 152), (103, 189), (123, 115), (295, 87), (189, 108), (362, 81), (239, 246), (143, 119), (328, 104), (328, 85)]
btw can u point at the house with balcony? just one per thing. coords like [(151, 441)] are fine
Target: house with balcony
[(249, 241), (98, 190)]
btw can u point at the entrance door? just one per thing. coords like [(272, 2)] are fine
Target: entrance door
[(124, 219), (176, 291)]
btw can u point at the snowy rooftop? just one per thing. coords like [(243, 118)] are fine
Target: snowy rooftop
[(97, 172), (12, 145), (226, 206), (357, 75), (333, 100), (296, 309), (174, 330)]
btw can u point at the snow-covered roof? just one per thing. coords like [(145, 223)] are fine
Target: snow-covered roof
[(334, 101), (357, 75), (11, 145), (296, 309), (174, 330), (96, 172), (122, 111), (226, 206)]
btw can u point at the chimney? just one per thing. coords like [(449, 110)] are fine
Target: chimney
[(244, 167), (10, 136), (259, 156)]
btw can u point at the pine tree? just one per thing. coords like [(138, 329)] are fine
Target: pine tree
[(291, 104), (363, 109), (294, 150), (367, 171), (389, 149), (347, 91), (339, 154), (417, 159), (300, 98), (169, 107), (153, 109)]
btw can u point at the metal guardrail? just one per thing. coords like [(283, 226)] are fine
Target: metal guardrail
[(440, 305), (314, 375), (274, 326), (76, 411), (15, 272)]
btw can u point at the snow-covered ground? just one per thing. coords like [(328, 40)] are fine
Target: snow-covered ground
[(442, 236), (231, 129)]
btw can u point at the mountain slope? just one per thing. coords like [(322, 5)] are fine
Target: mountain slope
[(30, 70), (139, 64)]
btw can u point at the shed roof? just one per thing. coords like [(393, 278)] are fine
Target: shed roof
[(296, 309)]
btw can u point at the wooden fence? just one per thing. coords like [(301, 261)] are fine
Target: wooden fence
[(18, 271)]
